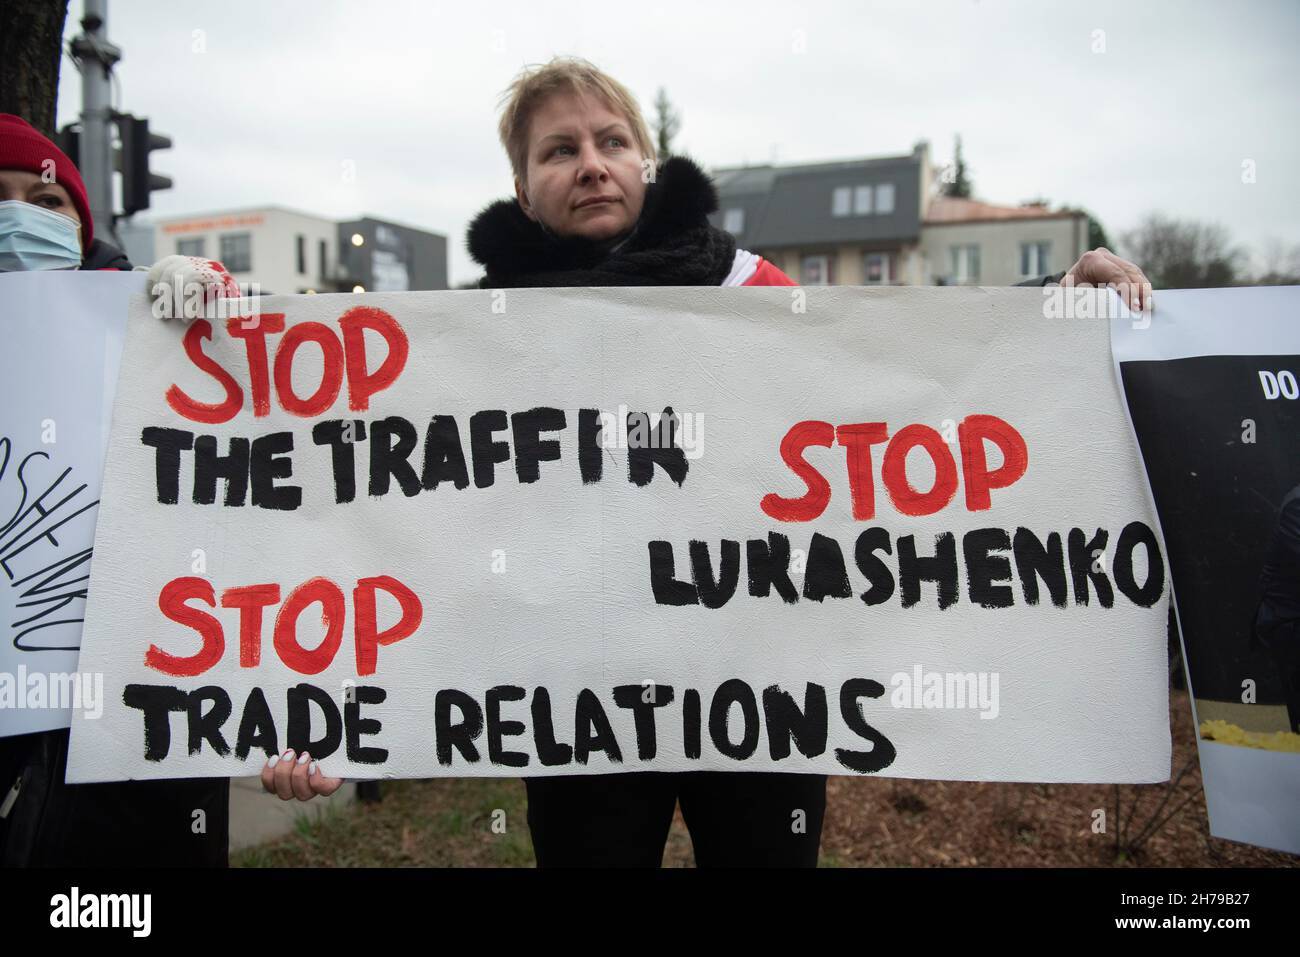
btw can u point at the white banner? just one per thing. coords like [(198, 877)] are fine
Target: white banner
[(883, 531), (60, 344)]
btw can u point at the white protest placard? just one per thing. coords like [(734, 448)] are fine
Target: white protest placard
[(60, 344), (882, 531)]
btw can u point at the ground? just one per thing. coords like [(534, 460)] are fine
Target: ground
[(476, 822)]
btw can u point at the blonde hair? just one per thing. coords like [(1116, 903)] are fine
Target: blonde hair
[(562, 75)]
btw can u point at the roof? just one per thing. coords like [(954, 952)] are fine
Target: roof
[(955, 209), (243, 211), (791, 205)]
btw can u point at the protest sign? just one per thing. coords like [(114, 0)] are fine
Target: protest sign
[(62, 340), (535, 532), (1211, 385)]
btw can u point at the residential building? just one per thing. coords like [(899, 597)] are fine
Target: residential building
[(884, 221), (847, 222), (968, 242)]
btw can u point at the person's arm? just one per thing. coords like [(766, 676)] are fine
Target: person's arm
[(1101, 267), (290, 776), (1051, 280), (178, 277)]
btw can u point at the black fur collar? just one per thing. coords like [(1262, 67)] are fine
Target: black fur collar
[(510, 246)]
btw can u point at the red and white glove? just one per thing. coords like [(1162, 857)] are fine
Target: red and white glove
[(186, 287)]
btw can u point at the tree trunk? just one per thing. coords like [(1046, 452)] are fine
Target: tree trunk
[(31, 51)]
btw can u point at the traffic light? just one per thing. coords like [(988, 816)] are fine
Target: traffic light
[(132, 161), (68, 139)]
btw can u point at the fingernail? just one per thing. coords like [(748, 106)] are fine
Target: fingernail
[(274, 760), (304, 758), (311, 771), (288, 755)]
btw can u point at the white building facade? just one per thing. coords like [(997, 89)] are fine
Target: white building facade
[(287, 251)]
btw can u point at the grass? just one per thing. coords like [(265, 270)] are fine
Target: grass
[(435, 823)]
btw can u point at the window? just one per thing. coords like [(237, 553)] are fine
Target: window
[(237, 252), (965, 263), (885, 198), (1033, 259), (301, 251), (733, 221), (877, 269), (322, 252), (190, 247), (816, 271), (862, 200)]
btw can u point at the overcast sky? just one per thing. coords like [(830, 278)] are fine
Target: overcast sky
[(1157, 111)]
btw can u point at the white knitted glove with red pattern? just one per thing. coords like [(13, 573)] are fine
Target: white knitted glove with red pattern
[(182, 278)]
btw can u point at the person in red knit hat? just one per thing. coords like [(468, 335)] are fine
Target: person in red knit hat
[(45, 220), (45, 217), (45, 223)]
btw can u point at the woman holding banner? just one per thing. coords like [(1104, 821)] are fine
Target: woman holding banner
[(45, 223), (592, 207), (584, 215), (588, 212)]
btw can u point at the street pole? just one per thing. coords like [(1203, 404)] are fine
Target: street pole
[(95, 58)]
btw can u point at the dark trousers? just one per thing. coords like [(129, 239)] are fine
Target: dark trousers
[(114, 824), (736, 819)]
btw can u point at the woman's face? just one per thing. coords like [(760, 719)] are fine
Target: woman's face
[(29, 188), (584, 175)]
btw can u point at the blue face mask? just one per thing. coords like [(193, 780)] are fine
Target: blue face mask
[(36, 238)]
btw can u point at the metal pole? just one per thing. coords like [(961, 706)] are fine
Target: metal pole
[(95, 58)]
